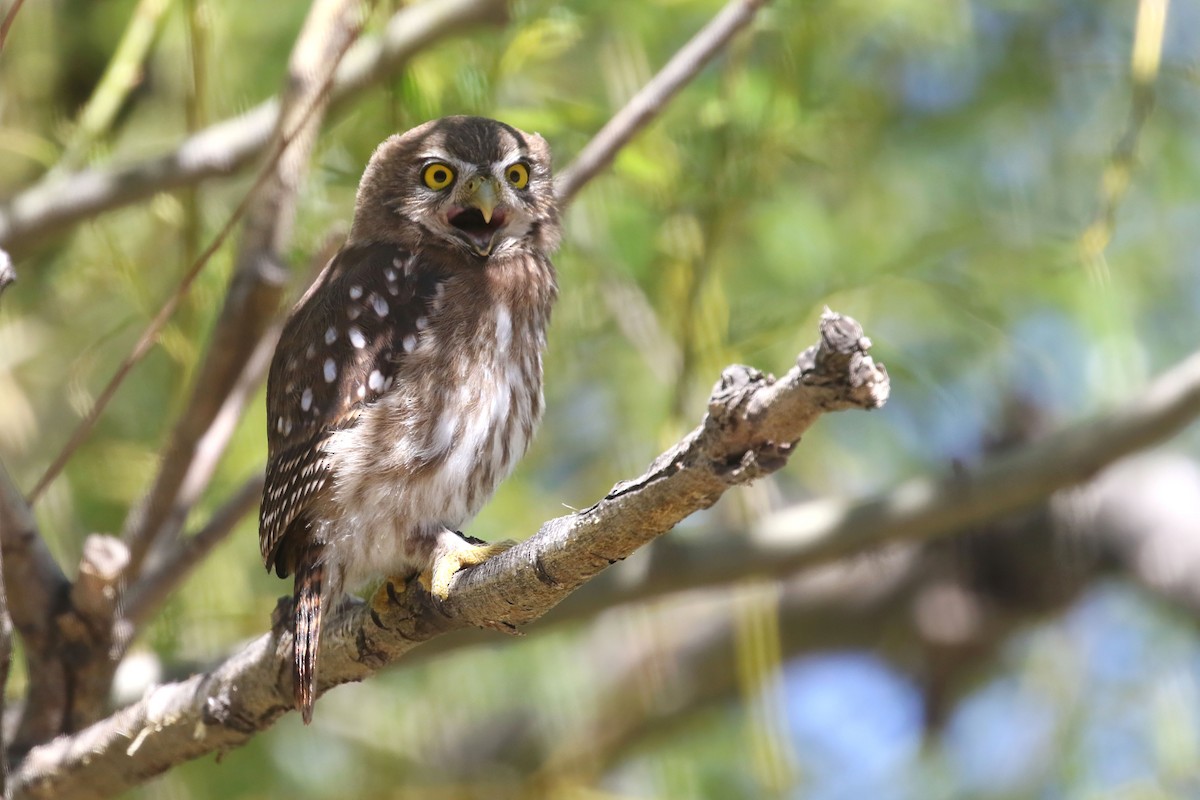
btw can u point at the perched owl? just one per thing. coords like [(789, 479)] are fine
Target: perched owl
[(408, 379)]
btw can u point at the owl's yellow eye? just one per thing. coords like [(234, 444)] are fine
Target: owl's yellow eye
[(517, 175), (438, 175)]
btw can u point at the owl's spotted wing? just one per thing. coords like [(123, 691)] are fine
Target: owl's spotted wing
[(340, 350)]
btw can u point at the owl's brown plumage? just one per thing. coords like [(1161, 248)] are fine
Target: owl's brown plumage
[(407, 381)]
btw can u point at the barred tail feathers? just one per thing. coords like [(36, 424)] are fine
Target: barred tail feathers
[(306, 633)]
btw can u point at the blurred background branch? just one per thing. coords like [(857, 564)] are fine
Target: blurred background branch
[(228, 146)]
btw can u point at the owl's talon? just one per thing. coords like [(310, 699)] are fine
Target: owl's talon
[(447, 564), (388, 595)]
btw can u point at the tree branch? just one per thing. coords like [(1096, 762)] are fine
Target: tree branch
[(37, 588), (10, 507), (8, 275), (224, 148), (649, 102), (751, 427)]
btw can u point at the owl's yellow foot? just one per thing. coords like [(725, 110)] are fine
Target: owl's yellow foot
[(462, 555), (388, 595)]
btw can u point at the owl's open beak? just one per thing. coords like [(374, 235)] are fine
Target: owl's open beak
[(485, 198), (481, 216)]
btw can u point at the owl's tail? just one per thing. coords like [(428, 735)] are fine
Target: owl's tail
[(306, 631)]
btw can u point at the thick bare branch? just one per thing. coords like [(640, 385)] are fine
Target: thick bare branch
[(226, 147), (752, 424), (655, 95), (37, 589)]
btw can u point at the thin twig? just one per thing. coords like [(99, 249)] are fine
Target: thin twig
[(157, 583), (1145, 61), (9, 19), (150, 334), (654, 96)]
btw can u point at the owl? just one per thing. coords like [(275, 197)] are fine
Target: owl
[(408, 379)]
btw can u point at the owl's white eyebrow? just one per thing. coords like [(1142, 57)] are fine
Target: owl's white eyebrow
[(444, 157)]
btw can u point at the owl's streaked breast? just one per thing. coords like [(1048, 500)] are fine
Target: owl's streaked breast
[(428, 454)]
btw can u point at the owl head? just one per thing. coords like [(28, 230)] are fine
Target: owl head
[(470, 184)]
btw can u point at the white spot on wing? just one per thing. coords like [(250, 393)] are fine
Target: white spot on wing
[(380, 305), (330, 370), (375, 381), (357, 339), (422, 323), (331, 335), (409, 343), (306, 400), (355, 292)]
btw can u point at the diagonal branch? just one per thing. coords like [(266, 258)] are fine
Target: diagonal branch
[(228, 146), (156, 584), (751, 428), (649, 102)]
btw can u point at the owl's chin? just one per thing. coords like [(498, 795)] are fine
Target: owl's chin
[(480, 235)]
